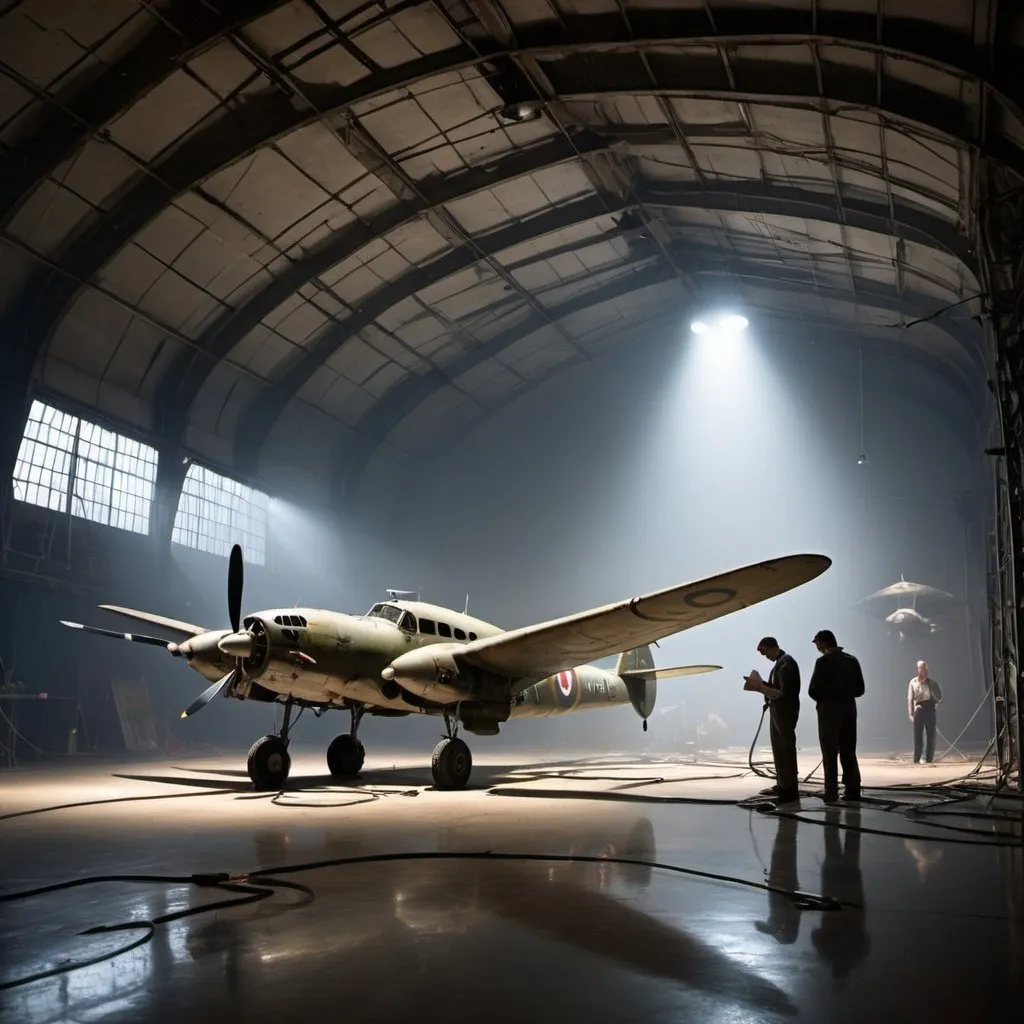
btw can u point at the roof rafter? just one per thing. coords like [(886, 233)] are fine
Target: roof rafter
[(380, 420), (187, 376), (76, 113), (260, 119), (917, 225)]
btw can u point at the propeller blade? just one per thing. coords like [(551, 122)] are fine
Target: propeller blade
[(208, 694), (135, 638), (236, 575)]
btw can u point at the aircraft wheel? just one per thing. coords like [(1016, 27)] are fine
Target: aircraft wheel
[(451, 764), (345, 756), (269, 763)]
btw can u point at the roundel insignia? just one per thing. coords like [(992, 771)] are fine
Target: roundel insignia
[(565, 688), (710, 598)]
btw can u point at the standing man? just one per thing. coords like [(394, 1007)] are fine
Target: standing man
[(923, 697), (782, 693), (836, 683)]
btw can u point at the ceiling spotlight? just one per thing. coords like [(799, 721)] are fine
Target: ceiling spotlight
[(724, 326), (861, 459), (519, 112)]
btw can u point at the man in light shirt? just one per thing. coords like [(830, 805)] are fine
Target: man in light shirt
[(923, 696)]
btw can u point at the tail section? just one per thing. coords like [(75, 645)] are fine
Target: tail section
[(636, 669)]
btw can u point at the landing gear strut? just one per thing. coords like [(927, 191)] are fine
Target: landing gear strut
[(269, 762), (452, 762), (346, 753)]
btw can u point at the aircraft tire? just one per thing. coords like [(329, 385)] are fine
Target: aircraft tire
[(345, 756), (269, 763), (451, 764)]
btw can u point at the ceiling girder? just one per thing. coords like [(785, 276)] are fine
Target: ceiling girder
[(567, 52), (377, 423), (73, 114), (187, 375), (749, 197)]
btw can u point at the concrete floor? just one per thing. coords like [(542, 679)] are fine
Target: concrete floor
[(935, 933)]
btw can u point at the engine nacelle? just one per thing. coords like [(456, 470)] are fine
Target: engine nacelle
[(431, 673)]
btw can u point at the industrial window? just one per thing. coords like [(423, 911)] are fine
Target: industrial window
[(108, 477), (215, 512)]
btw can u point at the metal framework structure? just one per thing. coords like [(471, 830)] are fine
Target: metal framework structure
[(1003, 234), (275, 236)]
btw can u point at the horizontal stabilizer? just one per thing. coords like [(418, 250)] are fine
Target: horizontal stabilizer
[(157, 620), (669, 673)]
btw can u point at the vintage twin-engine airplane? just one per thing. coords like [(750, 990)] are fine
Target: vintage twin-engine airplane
[(405, 657)]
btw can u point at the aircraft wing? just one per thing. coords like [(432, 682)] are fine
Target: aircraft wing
[(157, 620), (537, 651)]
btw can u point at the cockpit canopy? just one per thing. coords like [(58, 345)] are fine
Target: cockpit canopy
[(407, 621)]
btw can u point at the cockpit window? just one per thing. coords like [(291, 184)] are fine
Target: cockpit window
[(385, 611), (408, 623)]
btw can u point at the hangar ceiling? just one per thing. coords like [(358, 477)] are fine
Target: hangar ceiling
[(290, 232)]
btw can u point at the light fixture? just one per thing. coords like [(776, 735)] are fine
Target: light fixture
[(519, 112), (725, 325), (861, 459)]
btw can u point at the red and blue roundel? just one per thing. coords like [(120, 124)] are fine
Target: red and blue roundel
[(566, 689)]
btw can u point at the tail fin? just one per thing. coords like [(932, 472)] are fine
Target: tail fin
[(637, 660), (642, 689)]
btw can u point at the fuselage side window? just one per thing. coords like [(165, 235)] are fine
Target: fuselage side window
[(472, 636), (443, 629), (408, 623), (278, 620), (460, 634), (427, 627)]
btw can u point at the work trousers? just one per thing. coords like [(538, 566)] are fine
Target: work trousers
[(783, 732), (837, 733), (924, 729)]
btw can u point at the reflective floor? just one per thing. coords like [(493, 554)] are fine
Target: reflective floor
[(922, 925)]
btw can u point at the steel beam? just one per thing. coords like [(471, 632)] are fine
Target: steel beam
[(377, 423), (751, 197), (1002, 232), (183, 29), (594, 50)]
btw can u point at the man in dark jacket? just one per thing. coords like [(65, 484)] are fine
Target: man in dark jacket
[(836, 683), (782, 693)]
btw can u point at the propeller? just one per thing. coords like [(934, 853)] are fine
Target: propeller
[(208, 694), (236, 644), (236, 577), (135, 638)]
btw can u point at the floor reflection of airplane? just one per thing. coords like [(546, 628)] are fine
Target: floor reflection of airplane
[(453, 911), (405, 657)]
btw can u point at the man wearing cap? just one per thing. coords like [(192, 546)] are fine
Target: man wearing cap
[(836, 683), (782, 693)]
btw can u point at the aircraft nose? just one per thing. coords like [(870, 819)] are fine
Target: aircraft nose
[(388, 673)]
